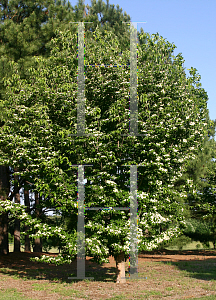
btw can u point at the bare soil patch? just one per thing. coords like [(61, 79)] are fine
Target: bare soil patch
[(170, 275)]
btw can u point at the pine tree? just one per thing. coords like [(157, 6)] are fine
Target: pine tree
[(107, 17), (197, 172), (201, 179)]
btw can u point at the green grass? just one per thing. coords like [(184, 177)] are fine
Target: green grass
[(22, 249), (185, 273), (118, 297), (62, 289), (12, 294), (191, 246)]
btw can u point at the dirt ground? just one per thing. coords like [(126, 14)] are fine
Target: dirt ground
[(164, 279)]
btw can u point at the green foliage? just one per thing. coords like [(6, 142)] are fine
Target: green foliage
[(108, 18), (42, 116), (55, 241), (10, 237), (50, 242), (200, 175), (179, 242), (203, 231)]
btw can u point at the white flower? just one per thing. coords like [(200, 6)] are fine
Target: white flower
[(110, 182)]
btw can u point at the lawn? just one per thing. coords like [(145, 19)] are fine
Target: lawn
[(169, 275)]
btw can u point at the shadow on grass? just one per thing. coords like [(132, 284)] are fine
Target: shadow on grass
[(199, 269), (200, 266), (20, 266)]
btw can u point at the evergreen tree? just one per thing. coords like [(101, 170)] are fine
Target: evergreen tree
[(109, 18), (200, 202), (196, 172), (22, 34), (27, 28)]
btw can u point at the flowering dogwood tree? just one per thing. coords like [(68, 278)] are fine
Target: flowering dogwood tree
[(40, 131)]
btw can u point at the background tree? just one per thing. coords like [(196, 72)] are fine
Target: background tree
[(27, 28), (201, 224), (200, 218)]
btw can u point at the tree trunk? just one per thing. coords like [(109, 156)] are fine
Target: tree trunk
[(17, 221), (38, 242), (120, 268), (4, 246), (4, 192), (26, 228)]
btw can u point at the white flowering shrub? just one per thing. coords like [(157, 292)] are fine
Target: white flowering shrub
[(42, 123)]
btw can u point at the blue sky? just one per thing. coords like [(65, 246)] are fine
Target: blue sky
[(189, 24)]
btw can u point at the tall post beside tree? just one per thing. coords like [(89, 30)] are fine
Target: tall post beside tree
[(17, 221)]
